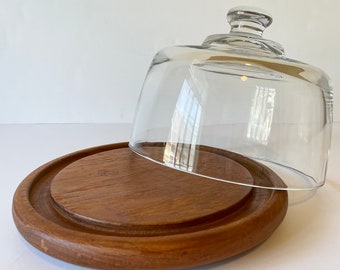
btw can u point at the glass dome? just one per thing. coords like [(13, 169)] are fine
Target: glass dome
[(239, 94)]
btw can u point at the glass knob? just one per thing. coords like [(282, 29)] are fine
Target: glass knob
[(248, 20)]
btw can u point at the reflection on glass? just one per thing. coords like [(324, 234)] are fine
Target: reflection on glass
[(261, 114), (180, 147)]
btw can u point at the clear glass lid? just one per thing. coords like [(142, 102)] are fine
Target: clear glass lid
[(236, 102)]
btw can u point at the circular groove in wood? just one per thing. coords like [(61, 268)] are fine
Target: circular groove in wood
[(246, 226)]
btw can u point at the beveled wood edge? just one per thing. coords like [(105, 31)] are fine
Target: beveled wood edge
[(43, 234)]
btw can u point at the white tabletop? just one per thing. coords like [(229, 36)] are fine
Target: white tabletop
[(308, 238)]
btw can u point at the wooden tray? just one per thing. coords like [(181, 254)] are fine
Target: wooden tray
[(108, 208)]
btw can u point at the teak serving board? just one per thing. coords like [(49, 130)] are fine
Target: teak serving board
[(108, 208)]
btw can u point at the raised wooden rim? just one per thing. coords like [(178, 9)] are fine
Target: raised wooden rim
[(43, 227)]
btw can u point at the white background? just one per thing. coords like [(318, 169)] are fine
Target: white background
[(84, 61)]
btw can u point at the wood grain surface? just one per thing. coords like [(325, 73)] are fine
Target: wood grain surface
[(108, 208)]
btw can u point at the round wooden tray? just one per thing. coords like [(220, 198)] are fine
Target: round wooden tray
[(108, 208)]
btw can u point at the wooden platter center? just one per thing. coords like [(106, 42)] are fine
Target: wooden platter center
[(118, 188)]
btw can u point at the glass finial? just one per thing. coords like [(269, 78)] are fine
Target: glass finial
[(248, 20)]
